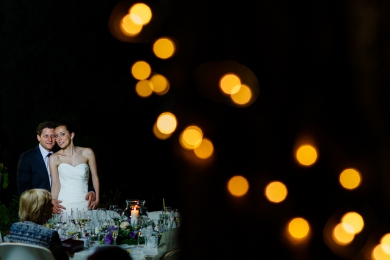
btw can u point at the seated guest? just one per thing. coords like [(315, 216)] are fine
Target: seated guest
[(35, 208), (169, 241), (109, 252)]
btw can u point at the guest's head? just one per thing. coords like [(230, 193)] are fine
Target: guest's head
[(45, 134), (107, 252), (35, 206), (64, 133)]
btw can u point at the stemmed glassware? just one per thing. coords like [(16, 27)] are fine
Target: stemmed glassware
[(56, 221), (111, 211), (74, 213), (116, 215), (115, 232), (65, 224), (88, 215), (101, 216)]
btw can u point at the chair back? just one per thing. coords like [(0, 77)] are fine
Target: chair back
[(12, 251), (175, 254)]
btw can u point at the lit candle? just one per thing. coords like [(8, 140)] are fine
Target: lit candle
[(134, 216)]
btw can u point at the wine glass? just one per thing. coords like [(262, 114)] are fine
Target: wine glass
[(88, 215), (56, 221), (176, 215), (116, 215), (111, 210), (115, 232), (74, 213), (101, 216), (169, 217), (65, 224)]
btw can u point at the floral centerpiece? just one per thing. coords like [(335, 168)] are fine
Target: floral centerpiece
[(127, 234)]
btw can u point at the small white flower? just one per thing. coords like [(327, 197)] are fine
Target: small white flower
[(124, 225), (97, 230)]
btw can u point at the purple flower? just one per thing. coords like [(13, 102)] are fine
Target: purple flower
[(108, 239), (133, 234), (111, 228)]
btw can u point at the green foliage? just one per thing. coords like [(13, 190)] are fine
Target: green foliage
[(3, 175), (8, 214)]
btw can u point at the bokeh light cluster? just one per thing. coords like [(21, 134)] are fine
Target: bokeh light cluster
[(382, 250), (344, 232), (240, 94), (192, 139), (139, 15), (148, 82), (165, 125)]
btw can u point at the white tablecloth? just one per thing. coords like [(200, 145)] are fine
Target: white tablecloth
[(136, 253)]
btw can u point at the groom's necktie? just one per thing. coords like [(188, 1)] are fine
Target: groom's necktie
[(47, 166)]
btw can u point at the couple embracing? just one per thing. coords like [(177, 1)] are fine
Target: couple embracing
[(65, 173)]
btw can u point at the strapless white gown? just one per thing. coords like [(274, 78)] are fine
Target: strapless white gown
[(74, 185)]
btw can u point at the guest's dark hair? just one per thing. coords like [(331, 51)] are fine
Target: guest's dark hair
[(68, 125), (107, 252), (43, 125)]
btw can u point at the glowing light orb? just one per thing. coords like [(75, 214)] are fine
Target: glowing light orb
[(306, 155), (238, 186), (158, 134), (385, 242), (129, 27), (191, 137), (343, 234), (166, 123), (276, 192), (143, 11), (205, 149), (144, 88), (298, 228), (242, 96), (160, 84), (141, 70), (230, 83), (355, 220), (164, 48), (378, 253), (350, 179)]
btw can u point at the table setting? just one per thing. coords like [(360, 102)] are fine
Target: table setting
[(134, 229)]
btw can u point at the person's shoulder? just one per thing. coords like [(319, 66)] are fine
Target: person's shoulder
[(29, 152), (56, 155), (86, 150)]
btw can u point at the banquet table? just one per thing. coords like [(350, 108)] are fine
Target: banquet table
[(136, 253)]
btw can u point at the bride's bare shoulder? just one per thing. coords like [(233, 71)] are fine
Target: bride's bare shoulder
[(56, 157), (85, 150)]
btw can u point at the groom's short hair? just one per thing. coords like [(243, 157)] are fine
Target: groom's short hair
[(31, 204), (45, 124)]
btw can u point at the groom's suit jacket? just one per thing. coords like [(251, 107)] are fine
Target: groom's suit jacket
[(32, 172)]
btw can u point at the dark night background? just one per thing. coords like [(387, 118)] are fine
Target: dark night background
[(323, 72)]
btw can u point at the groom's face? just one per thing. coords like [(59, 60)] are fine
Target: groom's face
[(47, 139)]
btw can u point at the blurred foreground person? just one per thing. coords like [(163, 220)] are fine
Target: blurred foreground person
[(35, 208), (109, 252)]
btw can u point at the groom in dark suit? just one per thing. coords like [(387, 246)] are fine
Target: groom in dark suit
[(33, 167)]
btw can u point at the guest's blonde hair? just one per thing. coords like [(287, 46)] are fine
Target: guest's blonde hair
[(31, 205)]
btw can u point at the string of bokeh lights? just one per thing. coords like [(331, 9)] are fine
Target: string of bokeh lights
[(240, 85)]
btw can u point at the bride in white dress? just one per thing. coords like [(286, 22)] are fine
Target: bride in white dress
[(69, 169)]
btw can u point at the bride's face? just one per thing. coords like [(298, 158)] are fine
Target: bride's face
[(63, 137)]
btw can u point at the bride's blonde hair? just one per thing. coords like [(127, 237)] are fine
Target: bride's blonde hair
[(31, 204)]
